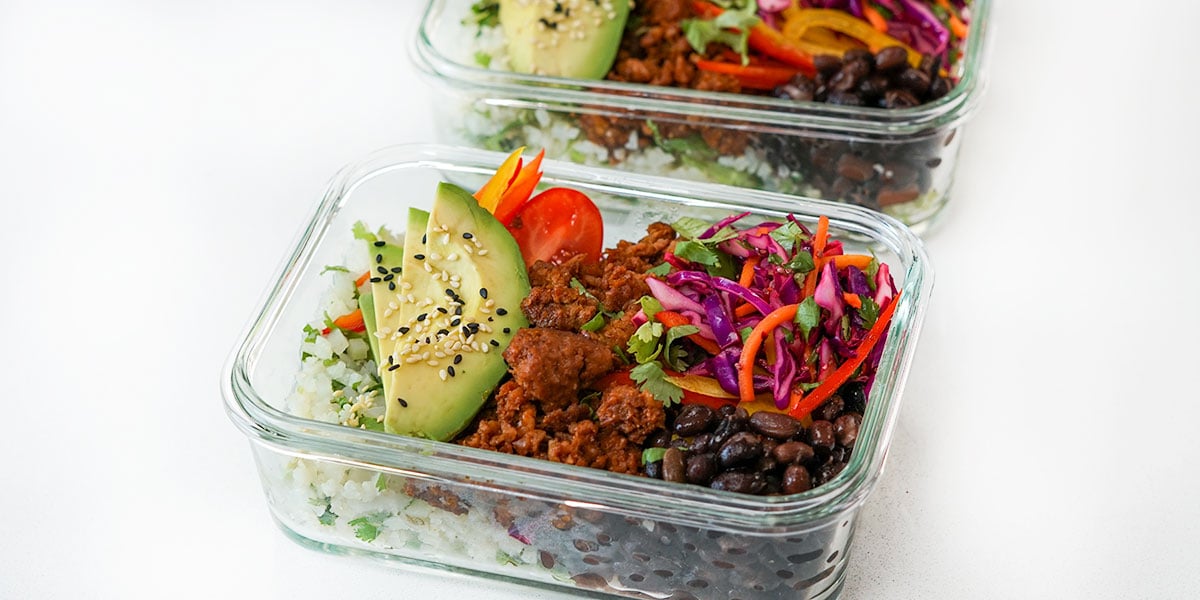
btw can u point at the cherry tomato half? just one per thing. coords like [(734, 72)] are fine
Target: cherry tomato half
[(556, 225)]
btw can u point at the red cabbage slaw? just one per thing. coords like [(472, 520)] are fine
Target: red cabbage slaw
[(913, 22), (827, 328)]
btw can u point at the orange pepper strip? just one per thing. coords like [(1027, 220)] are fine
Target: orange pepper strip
[(521, 189), (800, 405), (765, 40), (352, 321), (852, 299), (768, 323), (670, 318), (362, 279), (874, 18), (488, 196)]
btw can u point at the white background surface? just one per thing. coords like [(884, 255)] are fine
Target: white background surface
[(157, 157)]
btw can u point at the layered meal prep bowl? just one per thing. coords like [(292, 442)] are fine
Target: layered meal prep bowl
[(354, 491), (897, 160)]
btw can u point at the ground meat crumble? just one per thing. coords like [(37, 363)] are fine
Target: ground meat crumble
[(546, 409)]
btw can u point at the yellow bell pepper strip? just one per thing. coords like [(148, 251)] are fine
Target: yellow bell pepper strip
[(751, 77), (520, 190), (488, 196), (798, 21), (765, 40), (800, 405)]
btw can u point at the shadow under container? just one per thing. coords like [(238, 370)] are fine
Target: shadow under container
[(515, 519), (899, 161)]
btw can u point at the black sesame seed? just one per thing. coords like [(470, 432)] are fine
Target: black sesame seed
[(391, 359), (490, 319), (426, 340), (457, 358), (455, 322), (375, 280), (483, 293), (391, 286), (424, 239), (502, 311), (450, 371), (494, 343), (443, 332), (394, 367), (378, 258), (474, 327), (467, 235), (382, 270), (466, 330), (403, 330), (380, 244), (419, 256), (443, 310), (421, 317), (458, 309), (450, 292), (389, 277), (403, 402), (397, 269), (507, 330)]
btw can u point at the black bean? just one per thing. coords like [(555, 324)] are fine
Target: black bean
[(940, 87), (891, 58), (734, 481), (820, 436), (858, 55), (828, 471), (827, 64), (658, 439), (739, 449), (672, 465), (845, 428), (701, 468), (913, 80), (830, 409), (702, 443), (693, 419), (898, 98), (796, 479), (793, 452), (844, 99), (773, 424), (873, 86), (653, 470)]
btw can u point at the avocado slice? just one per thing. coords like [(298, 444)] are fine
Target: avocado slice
[(385, 302), (457, 306), (566, 38)]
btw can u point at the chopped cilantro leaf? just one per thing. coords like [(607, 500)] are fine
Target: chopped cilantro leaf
[(745, 333), (650, 306), (483, 59), (594, 324), (692, 228), (693, 251), (673, 334), (789, 235), (802, 262), (650, 455), (808, 315), (644, 342), (337, 268), (381, 483), (362, 233), (869, 311), (651, 378), (660, 269), (366, 528), (311, 333)]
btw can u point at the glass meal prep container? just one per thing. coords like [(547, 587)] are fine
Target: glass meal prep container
[(900, 161), (413, 501)]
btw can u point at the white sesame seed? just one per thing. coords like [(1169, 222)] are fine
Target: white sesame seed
[(428, 269), (387, 313), (413, 360), (485, 310), (483, 252), (432, 363), (442, 374), (410, 298), (439, 354), (404, 285), (485, 328), (435, 256), (485, 348), (468, 249), (490, 303), (455, 284), (392, 305), (452, 256)]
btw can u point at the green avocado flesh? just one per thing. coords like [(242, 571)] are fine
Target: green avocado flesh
[(565, 38), (441, 331)]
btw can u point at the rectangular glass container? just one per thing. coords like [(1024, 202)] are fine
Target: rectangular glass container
[(353, 491), (900, 161)]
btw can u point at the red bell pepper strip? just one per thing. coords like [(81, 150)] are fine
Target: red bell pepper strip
[(753, 77), (800, 405), (765, 40)]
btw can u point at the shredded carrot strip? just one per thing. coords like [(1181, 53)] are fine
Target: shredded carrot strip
[(842, 261), (877, 21), (800, 405), (959, 28), (852, 299), (748, 271), (768, 323), (362, 279), (744, 310), (352, 321), (820, 238)]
